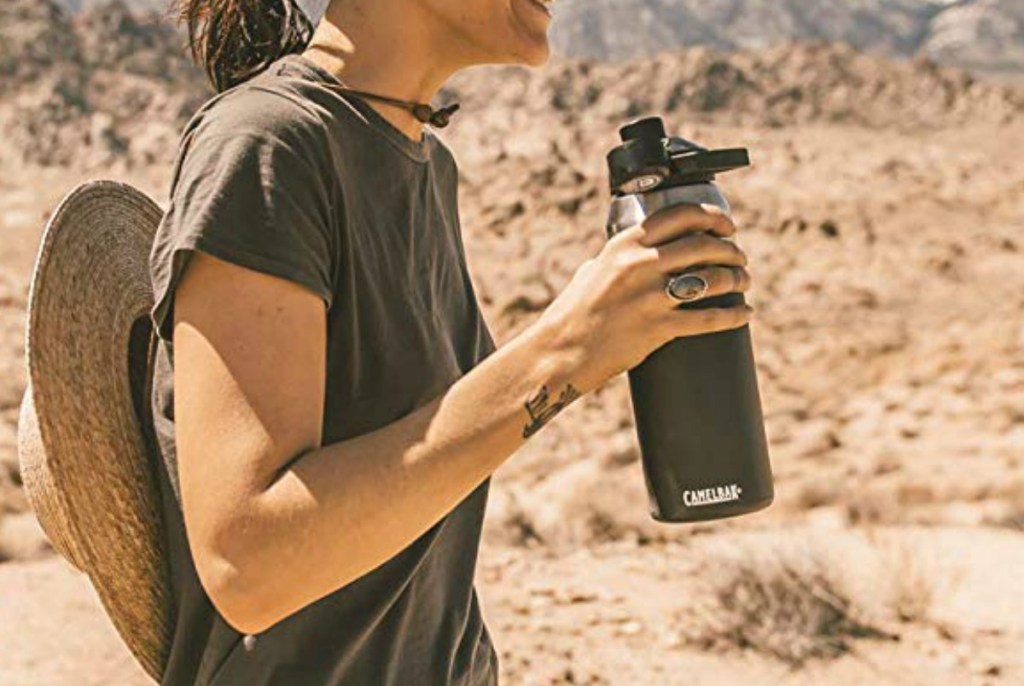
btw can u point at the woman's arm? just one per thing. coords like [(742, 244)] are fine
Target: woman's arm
[(277, 521)]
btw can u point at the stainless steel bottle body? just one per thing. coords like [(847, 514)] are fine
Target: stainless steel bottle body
[(696, 401)]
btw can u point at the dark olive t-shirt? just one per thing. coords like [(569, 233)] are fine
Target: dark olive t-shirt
[(288, 177)]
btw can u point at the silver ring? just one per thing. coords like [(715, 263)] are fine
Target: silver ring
[(685, 288)]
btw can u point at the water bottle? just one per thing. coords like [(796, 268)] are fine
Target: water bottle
[(695, 400)]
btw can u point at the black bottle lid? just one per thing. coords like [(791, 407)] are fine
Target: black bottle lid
[(648, 158)]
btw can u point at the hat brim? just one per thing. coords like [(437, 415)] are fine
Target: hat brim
[(85, 439)]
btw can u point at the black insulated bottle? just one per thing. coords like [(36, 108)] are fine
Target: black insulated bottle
[(695, 399)]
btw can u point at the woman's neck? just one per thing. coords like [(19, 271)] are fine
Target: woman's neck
[(384, 50)]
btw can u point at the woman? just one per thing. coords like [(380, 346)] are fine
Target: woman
[(329, 402)]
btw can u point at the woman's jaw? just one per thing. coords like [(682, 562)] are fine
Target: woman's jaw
[(533, 17), (493, 31)]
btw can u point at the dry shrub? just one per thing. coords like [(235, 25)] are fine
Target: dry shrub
[(1013, 521), (800, 602), (911, 583), (5, 554), (873, 507), (1013, 516), (819, 492)]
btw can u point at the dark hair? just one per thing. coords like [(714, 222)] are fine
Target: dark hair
[(234, 40)]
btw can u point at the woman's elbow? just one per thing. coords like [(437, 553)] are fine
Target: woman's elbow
[(242, 596)]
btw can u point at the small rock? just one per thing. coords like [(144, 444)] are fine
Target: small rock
[(829, 228), (631, 628)]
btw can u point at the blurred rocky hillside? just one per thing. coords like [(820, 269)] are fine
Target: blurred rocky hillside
[(102, 85), (106, 85)]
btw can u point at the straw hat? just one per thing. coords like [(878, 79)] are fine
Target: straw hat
[(85, 439)]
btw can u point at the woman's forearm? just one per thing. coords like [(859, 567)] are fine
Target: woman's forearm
[(337, 512)]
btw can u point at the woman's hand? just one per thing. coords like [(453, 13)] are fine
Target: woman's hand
[(615, 312)]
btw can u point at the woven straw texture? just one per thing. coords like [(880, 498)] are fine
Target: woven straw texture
[(86, 454)]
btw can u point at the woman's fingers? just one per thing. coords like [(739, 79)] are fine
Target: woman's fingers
[(698, 249), (709, 320), (678, 220)]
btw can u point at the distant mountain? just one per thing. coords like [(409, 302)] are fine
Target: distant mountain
[(981, 34), (75, 6), (986, 34), (160, 5)]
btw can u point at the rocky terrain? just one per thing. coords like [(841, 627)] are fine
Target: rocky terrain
[(883, 216), (106, 81), (116, 85)]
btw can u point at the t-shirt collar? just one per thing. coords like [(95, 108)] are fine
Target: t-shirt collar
[(418, 150)]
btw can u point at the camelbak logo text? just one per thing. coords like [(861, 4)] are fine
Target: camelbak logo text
[(712, 496)]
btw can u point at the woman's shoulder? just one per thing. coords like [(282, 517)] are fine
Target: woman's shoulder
[(264, 120), (264, 107)]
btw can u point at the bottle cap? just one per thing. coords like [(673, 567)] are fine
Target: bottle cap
[(648, 158)]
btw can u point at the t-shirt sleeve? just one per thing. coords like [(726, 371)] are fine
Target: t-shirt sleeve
[(248, 188)]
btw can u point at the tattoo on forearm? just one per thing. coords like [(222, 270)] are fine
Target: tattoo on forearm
[(541, 412)]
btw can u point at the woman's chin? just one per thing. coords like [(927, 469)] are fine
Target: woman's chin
[(531, 22), (519, 43), (530, 51), (537, 55)]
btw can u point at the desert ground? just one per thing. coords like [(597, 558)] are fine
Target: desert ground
[(884, 217)]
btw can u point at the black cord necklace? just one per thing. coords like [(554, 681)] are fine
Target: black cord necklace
[(424, 113)]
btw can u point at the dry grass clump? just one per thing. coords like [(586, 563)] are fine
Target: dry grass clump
[(800, 602), (911, 583), (5, 555), (1013, 521), (1013, 516), (874, 507)]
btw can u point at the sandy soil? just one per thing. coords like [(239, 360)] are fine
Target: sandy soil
[(611, 614)]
